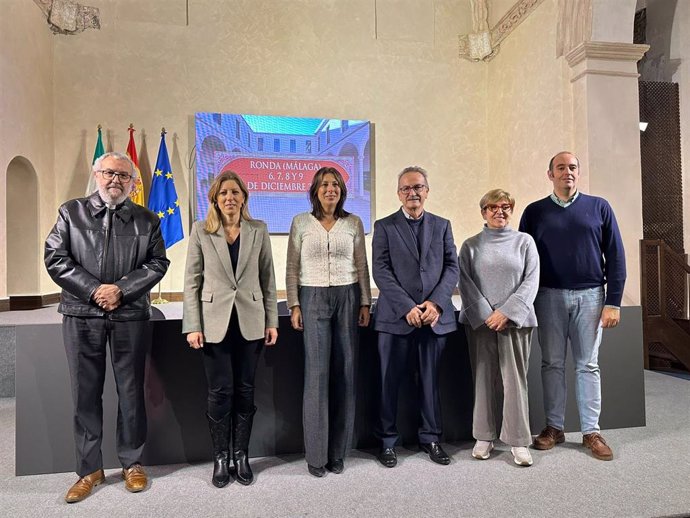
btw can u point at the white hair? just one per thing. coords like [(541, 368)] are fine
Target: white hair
[(118, 156)]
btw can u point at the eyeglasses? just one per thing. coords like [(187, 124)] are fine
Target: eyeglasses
[(109, 174), (495, 208), (416, 188)]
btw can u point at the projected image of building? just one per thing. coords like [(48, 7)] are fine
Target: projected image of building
[(277, 158)]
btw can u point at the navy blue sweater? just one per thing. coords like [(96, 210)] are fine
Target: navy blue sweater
[(579, 246)]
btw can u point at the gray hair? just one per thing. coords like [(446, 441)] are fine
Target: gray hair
[(118, 156), (414, 169)]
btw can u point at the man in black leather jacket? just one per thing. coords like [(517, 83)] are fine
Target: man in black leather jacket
[(106, 253)]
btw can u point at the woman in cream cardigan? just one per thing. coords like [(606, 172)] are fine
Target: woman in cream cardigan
[(230, 313), (327, 280)]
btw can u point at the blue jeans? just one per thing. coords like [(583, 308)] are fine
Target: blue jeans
[(574, 315)]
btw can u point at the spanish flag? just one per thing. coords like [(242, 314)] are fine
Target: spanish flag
[(137, 194)]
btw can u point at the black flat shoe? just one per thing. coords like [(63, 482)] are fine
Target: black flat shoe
[(335, 466), (388, 457), (317, 472), (435, 452)]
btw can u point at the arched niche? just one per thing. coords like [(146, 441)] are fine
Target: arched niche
[(24, 256)]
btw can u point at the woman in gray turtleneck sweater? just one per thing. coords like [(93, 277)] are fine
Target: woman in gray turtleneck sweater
[(499, 279)]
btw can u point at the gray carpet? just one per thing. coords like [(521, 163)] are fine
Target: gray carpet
[(649, 477)]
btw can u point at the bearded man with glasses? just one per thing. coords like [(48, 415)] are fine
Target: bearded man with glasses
[(416, 269), (106, 253)]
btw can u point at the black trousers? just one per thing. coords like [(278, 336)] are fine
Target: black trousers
[(230, 370), (420, 350), (85, 342)]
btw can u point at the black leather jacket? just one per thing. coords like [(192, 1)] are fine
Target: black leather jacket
[(92, 245)]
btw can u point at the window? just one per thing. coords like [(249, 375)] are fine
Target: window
[(293, 146), (307, 146), (260, 143), (237, 129), (276, 145), (217, 118)]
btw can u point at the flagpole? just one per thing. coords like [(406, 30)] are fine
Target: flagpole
[(160, 299), (163, 201)]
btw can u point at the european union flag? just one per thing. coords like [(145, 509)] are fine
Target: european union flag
[(163, 199)]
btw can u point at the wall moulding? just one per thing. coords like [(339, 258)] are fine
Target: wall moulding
[(574, 24), (604, 50), (512, 19), (506, 25), (610, 73)]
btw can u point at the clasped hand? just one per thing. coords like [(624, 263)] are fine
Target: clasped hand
[(426, 313), (107, 296), (497, 321)]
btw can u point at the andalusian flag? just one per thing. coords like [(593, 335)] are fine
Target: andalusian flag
[(91, 186), (163, 197), (137, 193)]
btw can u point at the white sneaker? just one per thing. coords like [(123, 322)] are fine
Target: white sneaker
[(521, 456), (482, 450)]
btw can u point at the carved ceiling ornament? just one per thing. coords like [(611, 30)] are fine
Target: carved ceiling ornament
[(68, 17), (483, 45)]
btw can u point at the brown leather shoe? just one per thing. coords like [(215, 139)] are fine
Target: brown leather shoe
[(596, 443), (83, 487), (135, 478), (548, 438)]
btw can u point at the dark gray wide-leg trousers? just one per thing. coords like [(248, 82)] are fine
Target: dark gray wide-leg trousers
[(329, 316), (85, 342)]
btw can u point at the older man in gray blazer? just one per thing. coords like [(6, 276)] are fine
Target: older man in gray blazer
[(416, 269)]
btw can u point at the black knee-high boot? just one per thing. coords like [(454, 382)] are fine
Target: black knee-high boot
[(220, 436), (241, 432)]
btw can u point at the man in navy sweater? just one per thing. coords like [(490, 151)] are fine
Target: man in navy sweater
[(580, 252)]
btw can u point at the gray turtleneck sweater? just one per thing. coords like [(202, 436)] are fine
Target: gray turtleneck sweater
[(499, 270)]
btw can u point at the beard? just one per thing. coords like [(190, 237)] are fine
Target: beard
[(113, 196)]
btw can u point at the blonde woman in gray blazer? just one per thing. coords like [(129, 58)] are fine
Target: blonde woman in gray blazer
[(230, 313)]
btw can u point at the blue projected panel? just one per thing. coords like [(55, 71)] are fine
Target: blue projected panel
[(277, 158)]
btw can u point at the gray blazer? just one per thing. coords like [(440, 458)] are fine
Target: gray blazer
[(212, 289), (405, 279)]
